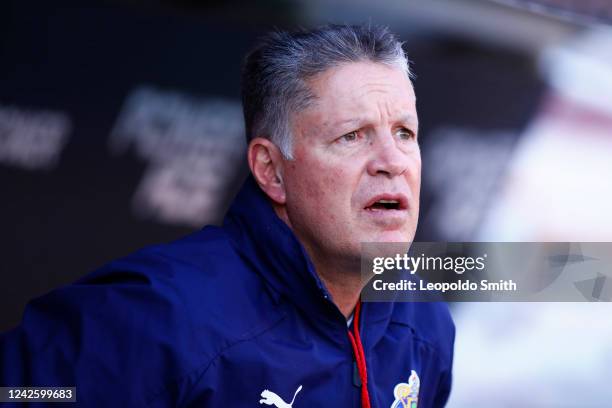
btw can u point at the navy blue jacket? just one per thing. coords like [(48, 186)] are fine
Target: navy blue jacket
[(231, 316)]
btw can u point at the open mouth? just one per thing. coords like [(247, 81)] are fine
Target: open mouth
[(382, 203), (385, 205)]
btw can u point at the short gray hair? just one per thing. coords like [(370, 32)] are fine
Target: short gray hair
[(276, 71)]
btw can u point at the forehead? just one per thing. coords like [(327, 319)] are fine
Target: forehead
[(358, 88)]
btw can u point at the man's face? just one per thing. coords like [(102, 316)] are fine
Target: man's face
[(356, 172)]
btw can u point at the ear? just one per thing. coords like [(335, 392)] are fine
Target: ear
[(265, 160)]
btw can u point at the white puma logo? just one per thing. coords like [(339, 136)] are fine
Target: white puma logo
[(271, 398)]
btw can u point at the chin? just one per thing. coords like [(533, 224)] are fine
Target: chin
[(392, 236)]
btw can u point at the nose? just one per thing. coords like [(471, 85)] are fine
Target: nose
[(387, 158)]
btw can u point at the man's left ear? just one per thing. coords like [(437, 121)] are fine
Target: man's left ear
[(265, 161)]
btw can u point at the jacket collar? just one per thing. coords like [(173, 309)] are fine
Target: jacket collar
[(272, 248)]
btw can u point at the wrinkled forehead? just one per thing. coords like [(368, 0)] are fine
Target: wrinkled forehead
[(351, 77), (358, 90)]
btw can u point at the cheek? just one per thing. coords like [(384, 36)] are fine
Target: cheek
[(319, 186), (417, 182), (415, 175), (326, 187), (303, 183)]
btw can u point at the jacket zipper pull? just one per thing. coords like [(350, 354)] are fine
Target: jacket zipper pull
[(356, 377)]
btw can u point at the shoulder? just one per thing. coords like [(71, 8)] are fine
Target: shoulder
[(150, 319), (179, 265), (199, 279)]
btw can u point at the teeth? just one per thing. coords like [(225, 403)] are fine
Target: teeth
[(387, 201)]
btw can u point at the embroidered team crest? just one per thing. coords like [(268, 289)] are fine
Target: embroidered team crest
[(407, 394)]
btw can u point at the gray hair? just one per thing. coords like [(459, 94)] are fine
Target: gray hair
[(275, 73)]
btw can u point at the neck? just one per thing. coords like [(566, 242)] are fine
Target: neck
[(342, 280), (345, 287)]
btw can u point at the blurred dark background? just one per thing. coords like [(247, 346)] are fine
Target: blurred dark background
[(101, 103), (121, 126)]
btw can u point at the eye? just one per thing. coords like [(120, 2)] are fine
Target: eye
[(349, 137), (405, 134)]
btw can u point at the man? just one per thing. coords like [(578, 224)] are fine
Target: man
[(265, 309)]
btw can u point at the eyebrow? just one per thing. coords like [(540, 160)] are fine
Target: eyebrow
[(359, 121)]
